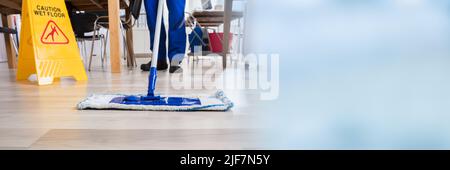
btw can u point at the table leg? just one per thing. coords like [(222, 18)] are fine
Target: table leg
[(114, 38), (226, 31), (9, 48)]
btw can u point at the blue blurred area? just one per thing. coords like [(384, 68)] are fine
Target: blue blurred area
[(356, 74)]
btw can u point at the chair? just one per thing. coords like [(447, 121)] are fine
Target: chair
[(82, 24), (198, 36), (102, 22)]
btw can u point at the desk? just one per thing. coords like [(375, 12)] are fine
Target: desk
[(8, 7), (213, 18)]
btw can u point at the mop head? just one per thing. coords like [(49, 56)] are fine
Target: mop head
[(216, 102)]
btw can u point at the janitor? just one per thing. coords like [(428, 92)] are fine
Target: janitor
[(177, 35)]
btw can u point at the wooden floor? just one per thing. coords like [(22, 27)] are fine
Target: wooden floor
[(45, 117)]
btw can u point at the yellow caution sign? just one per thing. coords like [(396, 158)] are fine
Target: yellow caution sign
[(48, 47)]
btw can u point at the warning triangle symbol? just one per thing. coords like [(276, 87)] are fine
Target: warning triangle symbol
[(53, 34)]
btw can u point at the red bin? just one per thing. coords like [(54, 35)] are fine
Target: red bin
[(216, 42)]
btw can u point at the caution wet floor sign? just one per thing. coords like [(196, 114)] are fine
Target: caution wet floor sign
[(48, 47)]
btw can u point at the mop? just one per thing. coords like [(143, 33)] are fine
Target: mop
[(152, 101)]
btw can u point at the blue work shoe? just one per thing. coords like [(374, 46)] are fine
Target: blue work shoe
[(161, 66), (175, 69)]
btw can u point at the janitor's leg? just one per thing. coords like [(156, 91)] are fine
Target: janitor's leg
[(151, 10), (177, 31)]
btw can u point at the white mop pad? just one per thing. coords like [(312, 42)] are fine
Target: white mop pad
[(217, 102)]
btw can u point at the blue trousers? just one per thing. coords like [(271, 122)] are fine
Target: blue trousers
[(177, 29)]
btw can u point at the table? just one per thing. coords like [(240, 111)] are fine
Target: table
[(8, 7), (213, 18)]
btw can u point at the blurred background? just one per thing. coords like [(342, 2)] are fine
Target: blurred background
[(356, 74)]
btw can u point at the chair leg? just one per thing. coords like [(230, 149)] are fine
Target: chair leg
[(14, 44), (135, 62), (83, 41), (101, 49), (126, 53), (124, 50), (82, 47), (80, 50), (106, 45), (92, 51)]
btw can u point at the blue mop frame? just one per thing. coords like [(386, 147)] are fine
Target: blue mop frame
[(151, 98)]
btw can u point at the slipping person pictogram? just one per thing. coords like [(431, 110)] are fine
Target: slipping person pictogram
[(52, 33)]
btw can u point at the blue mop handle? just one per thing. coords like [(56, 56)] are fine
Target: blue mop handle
[(153, 73)]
